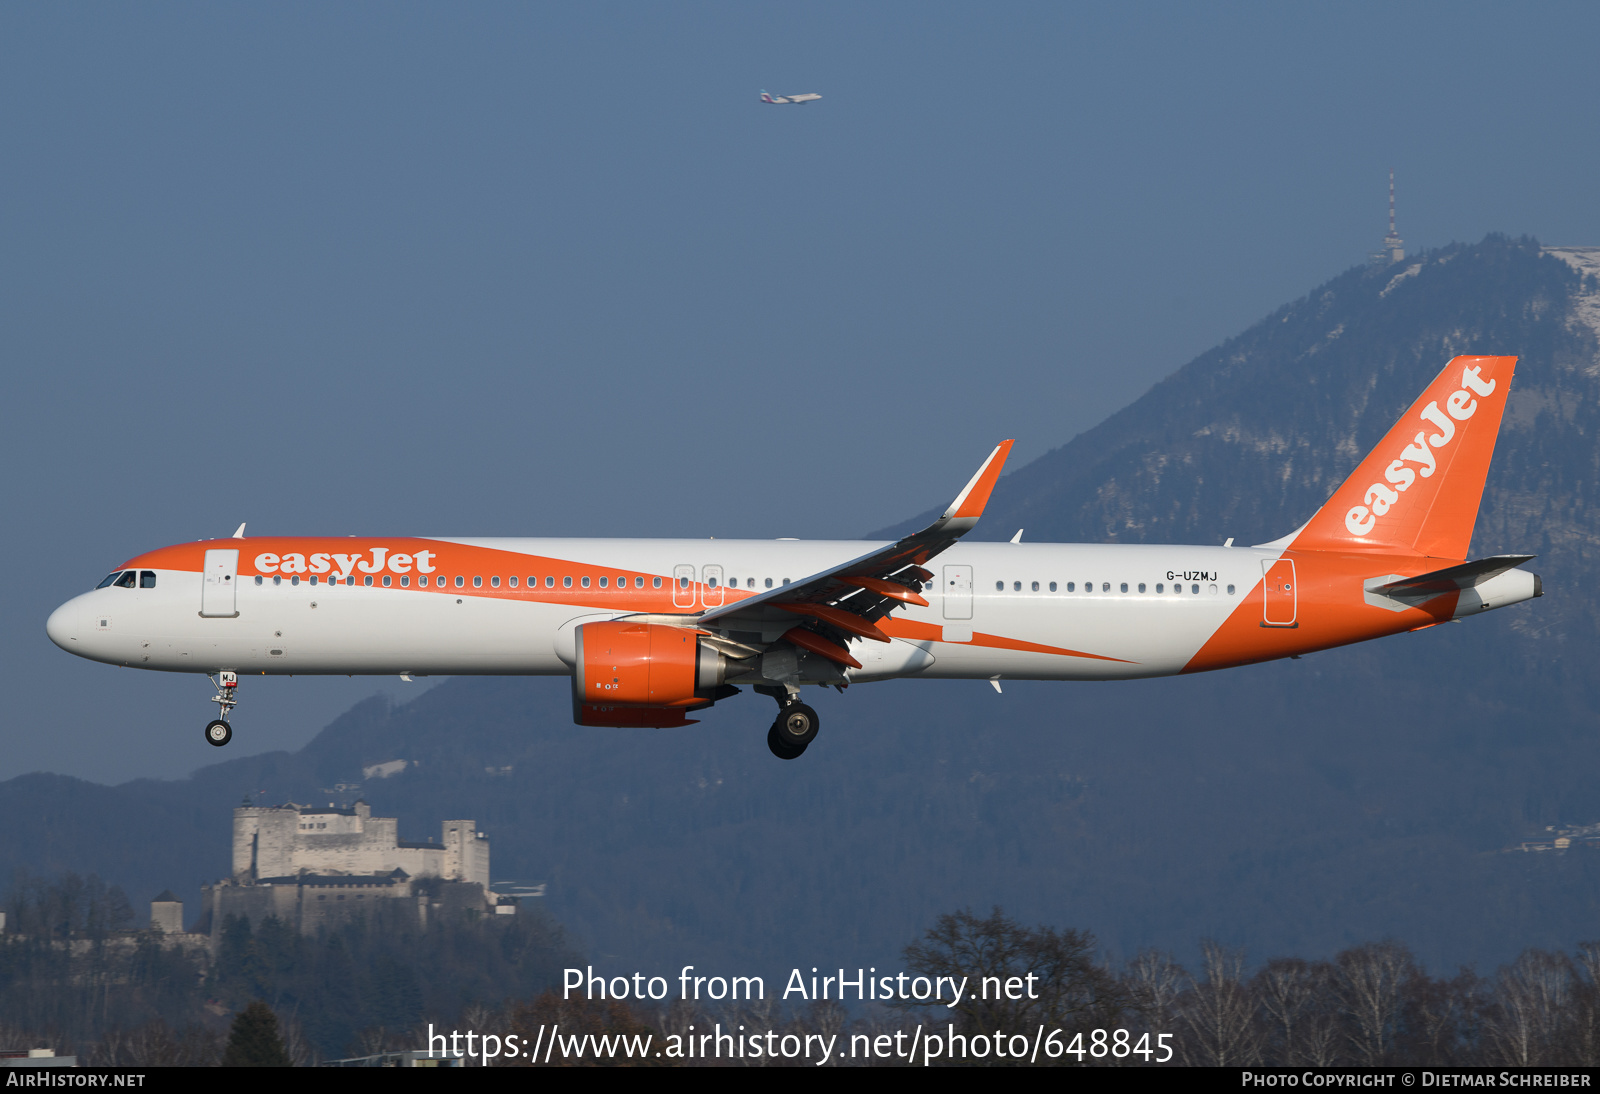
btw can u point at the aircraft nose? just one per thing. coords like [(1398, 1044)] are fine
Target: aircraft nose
[(62, 626)]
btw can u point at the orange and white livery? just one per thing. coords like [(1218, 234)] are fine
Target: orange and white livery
[(653, 630)]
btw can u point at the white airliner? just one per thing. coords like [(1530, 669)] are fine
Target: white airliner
[(779, 100), (651, 630)]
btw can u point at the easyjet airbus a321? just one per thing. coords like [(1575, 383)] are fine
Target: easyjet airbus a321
[(652, 630)]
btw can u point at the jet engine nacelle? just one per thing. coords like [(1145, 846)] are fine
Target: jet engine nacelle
[(642, 674)]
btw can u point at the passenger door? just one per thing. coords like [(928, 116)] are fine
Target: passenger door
[(221, 574)]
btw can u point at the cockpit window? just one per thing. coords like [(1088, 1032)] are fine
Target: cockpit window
[(109, 578), (125, 579), (147, 579)]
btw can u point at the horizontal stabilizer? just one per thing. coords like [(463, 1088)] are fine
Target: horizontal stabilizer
[(1451, 578)]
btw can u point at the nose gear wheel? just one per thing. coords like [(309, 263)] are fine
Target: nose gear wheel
[(218, 731)]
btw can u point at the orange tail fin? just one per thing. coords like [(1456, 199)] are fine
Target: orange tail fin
[(1418, 491)]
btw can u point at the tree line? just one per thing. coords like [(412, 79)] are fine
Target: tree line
[(75, 977), (1371, 1004)]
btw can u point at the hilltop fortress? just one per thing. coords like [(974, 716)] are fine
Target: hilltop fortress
[(311, 867)]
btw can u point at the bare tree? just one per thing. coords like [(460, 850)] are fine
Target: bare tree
[(1152, 984), (1059, 983), (1367, 981), (1287, 989), (1585, 1034), (1531, 999), (1220, 1012)]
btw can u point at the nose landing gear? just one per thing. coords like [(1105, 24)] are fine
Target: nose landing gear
[(218, 731)]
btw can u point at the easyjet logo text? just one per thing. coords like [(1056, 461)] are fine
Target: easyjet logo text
[(370, 562), (1381, 497)]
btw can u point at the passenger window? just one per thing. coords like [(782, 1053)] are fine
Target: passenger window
[(367, 581), (279, 581), (1230, 590), (477, 582), (683, 583), (109, 579), (512, 581), (314, 579), (1105, 586), (550, 582), (999, 586), (1124, 586), (603, 582), (585, 581), (1052, 586), (566, 583), (1212, 590), (769, 583), (387, 581), (1195, 589), (147, 579), (1035, 586), (638, 582), (1141, 586), (711, 582), (622, 581), (405, 582), (295, 580), (1160, 587), (1176, 587), (259, 580), (351, 580), (786, 581), (655, 582), (460, 581), (494, 582), (1016, 586), (1072, 587)]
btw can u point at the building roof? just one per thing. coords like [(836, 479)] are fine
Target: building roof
[(167, 897)]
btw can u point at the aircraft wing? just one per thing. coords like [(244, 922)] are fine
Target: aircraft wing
[(843, 602)]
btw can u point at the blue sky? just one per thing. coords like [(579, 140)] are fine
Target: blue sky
[(554, 270)]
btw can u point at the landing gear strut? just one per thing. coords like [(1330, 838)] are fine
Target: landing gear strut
[(218, 731)]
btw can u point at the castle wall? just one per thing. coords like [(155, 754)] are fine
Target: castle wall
[(274, 842)]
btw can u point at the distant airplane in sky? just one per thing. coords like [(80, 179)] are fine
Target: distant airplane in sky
[(778, 100), (650, 630)]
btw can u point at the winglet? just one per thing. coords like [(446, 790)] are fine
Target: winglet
[(238, 533), (970, 502)]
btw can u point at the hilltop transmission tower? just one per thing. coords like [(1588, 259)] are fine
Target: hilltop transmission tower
[(1394, 248)]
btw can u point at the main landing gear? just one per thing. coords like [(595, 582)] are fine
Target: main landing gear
[(218, 731), (794, 729)]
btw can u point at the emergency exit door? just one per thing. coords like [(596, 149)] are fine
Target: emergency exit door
[(1279, 596), (957, 592), (217, 596)]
